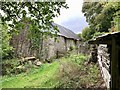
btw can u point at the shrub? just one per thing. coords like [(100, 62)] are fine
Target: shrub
[(13, 67), (96, 34), (79, 59), (8, 66), (87, 33), (5, 38), (72, 48)]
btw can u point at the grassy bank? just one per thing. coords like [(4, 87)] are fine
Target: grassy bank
[(65, 72)]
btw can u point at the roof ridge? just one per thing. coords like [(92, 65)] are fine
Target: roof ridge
[(66, 32)]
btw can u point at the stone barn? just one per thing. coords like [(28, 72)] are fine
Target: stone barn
[(49, 47)]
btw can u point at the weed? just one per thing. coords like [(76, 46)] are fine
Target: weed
[(65, 72)]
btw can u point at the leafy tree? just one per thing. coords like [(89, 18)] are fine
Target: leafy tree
[(41, 13), (116, 21), (96, 34), (87, 33), (4, 41), (79, 35), (99, 15), (116, 18), (38, 16)]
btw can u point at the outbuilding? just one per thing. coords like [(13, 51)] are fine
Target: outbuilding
[(112, 40), (50, 48)]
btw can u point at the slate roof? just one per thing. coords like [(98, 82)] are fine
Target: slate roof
[(66, 32)]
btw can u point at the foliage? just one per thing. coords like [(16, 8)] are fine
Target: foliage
[(72, 48), (78, 59), (96, 34), (41, 13), (4, 40), (8, 66), (75, 74), (87, 33), (80, 35), (37, 77), (100, 14), (35, 16), (116, 21), (66, 72)]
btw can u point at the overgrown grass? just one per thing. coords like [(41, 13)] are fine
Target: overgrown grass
[(66, 72), (77, 74), (35, 78)]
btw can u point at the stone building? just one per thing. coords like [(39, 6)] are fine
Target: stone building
[(50, 48), (109, 58)]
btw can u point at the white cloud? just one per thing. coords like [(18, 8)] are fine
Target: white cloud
[(74, 10)]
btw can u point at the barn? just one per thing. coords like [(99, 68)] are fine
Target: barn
[(48, 47)]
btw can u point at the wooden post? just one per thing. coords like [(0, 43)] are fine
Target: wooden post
[(114, 65), (117, 67)]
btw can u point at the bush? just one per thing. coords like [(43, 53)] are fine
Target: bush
[(5, 38), (96, 34), (72, 48), (13, 67), (87, 33), (8, 66), (116, 21), (78, 59)]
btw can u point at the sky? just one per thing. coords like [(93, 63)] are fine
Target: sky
[(72, 18)]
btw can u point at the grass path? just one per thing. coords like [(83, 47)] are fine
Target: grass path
[(67, 72), (36, 78)]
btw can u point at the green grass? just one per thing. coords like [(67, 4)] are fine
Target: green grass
[(35, 78), (77, 74), (65, 72)]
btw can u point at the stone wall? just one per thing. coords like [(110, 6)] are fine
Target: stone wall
[(84, 48), (61, 46), (21, 44), (104, 63), (72, 44), (48, 49), (54, 48)]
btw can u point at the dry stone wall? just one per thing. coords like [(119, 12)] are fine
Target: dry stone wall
[(84, 48), (104, 63)]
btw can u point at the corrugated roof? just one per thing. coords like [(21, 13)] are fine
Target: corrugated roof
[(105, 39), (66, 32)]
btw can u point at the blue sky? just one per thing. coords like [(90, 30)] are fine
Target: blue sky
[(72, 18)]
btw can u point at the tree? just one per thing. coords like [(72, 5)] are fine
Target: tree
[(87, 33), (116, 18), (99, 15), (4, 40), (41, 13), (79, 35)]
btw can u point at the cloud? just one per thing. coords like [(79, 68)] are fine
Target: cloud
[(76, 24), (72, 18), (74, 10)]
